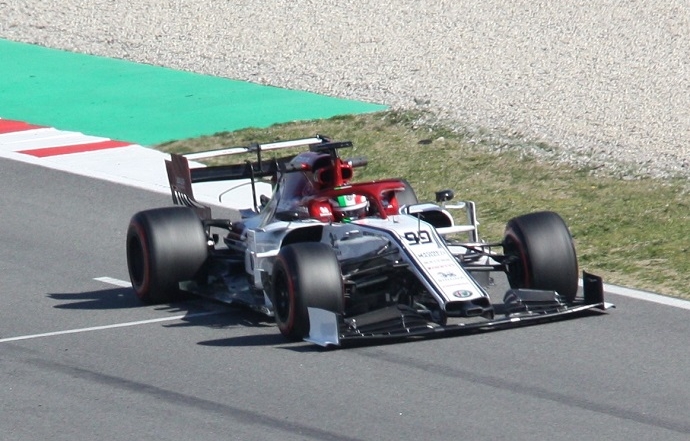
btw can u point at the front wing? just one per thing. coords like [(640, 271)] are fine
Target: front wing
[(400, 323)]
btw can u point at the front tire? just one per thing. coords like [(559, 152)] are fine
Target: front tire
[(541, 254), (164, 247), (305, 275)]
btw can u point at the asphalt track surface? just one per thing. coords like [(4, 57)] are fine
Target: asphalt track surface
[(82, 359)]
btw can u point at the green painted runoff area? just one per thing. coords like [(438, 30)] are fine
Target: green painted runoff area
[(142, 103)]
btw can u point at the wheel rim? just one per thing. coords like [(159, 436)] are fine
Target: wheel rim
[(517, 274), (282, 299)]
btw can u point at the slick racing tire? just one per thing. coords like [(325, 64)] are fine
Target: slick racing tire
[(164, 247), (541, 255), (304, 275)]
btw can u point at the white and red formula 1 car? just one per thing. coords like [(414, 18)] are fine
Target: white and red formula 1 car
[(338, 262)]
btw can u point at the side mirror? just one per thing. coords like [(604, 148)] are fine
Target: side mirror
[(289, 215), (444, 195)]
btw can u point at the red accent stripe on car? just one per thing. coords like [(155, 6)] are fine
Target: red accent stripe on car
[(77, 148), (9, 126)]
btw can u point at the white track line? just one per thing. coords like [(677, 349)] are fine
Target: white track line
[(114, 326), (647, 296), (119, 283), (116, 282)]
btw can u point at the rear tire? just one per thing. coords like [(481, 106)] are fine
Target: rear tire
[(164, 247), (541, 254), (305, 275)]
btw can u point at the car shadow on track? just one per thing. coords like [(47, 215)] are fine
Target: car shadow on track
[(196, 311), (115, 298), (272, 339), (246, 340), (261, 330), (219, 316)]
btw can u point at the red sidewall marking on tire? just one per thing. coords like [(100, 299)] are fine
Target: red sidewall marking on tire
[(146, 273), (523, 258), (292, 304)]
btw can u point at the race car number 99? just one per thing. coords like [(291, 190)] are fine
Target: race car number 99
[(418, 237)]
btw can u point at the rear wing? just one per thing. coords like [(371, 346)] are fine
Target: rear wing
[(318, 143), (181, 176)]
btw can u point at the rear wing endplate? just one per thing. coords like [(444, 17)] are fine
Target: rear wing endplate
[(180, 180)]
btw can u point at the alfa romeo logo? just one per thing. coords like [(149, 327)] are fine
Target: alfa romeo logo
[(462, 294)]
